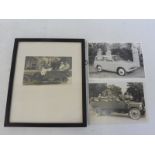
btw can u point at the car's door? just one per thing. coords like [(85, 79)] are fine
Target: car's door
[(109, 64), (99, 62), (119, 106)]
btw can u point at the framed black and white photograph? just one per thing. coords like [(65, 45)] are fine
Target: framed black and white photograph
[(47, 83), (115, 60), (47, 70)]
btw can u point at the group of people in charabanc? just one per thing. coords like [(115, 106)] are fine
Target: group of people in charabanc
[(108, 96), (62, 66)]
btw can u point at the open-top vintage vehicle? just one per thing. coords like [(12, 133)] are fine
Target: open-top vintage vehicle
[(105, 106), (51, 77)]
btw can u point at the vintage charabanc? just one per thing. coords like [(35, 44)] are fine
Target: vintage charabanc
[(51, 77), (105, 106)]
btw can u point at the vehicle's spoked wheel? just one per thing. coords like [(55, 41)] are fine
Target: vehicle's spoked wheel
[(134, 114), (99, 68), (121, 72)]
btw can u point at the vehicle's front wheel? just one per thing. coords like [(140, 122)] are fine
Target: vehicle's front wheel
[(134, 113), (121, 71), (99, 68)]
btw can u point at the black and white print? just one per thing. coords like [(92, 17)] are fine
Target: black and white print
[(115, 60), (41, 70), (117, 99)]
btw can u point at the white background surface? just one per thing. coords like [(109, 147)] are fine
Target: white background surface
[(93, 31)]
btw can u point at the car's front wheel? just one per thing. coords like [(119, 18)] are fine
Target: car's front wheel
[(121, 71), (99, 68), (134, 113)]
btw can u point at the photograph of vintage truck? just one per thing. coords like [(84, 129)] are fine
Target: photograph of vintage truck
[(47, 70), (124, 99), (115, 60)]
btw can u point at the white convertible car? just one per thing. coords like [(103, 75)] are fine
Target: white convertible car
[(114, 64)]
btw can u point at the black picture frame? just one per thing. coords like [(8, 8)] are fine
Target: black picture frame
[(7, 122)]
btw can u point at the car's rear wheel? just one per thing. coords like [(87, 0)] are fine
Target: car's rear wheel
[(134, 113), (121, 71), (99, 68)]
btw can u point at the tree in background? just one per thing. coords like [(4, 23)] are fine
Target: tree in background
[(123, 50), (115, 90), (136, 90), (96, 88), (93, 48)]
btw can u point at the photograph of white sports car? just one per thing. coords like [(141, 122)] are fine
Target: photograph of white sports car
[(114, 64), (115, 60)]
